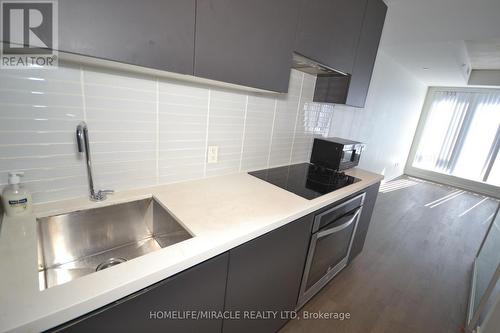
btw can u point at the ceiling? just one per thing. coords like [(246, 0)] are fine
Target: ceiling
[(440, 41)]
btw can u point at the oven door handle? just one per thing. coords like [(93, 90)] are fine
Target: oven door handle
[(340, 227)]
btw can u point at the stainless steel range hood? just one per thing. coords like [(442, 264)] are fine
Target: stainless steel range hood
[(310, 66), (331, 85)]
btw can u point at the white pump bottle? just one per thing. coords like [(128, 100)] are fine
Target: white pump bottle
[(16, 199)]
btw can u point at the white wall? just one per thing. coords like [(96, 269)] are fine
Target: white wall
[(388, 121), (144, 130)]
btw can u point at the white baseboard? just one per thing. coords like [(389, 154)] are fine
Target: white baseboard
[(466, 184)]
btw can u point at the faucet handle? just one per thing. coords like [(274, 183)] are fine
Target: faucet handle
[(101, 195), (107, 191)]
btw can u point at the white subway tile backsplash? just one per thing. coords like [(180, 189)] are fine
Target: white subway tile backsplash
[(225, 130), (145, 181), (27, 111), (60, 194), (284, 128), (112, 167), (143, 130), (124, 105), (303, 134), (117, 79), (147, 93), (120, 136), (122, 146), (186, 172), (116, 178), (57, 183), (28, 84), (111, 115), (46, 173), (121, 156), (13, 151), (36, 124), (39, 110), (183, 103), (39, 98), (258, 129), (66, 72), (100, 103), (182, 135), (34, 162), (194, 123), (125, 175), (295, 84), (125, 124)]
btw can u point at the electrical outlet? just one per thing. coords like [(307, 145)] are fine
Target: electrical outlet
[(213, 154)]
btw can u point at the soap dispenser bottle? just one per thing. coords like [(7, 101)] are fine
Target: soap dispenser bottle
[(16, 199)]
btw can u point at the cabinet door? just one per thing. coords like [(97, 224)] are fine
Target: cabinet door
[(364, 221), (366, 52), (329, 31), (331, 88), (246, 42), (156, 34), (200, 288), (265, 274)]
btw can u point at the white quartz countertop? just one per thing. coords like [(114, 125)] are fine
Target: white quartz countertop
[(222, 213)]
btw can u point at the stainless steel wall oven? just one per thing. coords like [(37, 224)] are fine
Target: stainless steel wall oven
[(332, 236)]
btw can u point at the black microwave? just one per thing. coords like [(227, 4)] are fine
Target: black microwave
[(336, 153)]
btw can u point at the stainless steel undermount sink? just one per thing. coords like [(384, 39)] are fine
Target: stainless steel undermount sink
[(79, 243)]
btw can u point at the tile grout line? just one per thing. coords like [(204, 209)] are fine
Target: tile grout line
[(157, 131), (82, 88), (243, 134), (296, 118), (206, 133), (272, 132)]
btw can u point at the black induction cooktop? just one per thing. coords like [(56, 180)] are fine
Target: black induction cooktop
[(305, 179)]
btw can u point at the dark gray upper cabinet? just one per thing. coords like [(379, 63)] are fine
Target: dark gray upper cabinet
[(366, 53), (331, 88), (246, 42), (265, 274), (328, 31), (200, 288), (157, 34)]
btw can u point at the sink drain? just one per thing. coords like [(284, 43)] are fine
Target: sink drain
[(110, 262)]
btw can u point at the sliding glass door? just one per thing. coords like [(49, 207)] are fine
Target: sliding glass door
[(459, 136)]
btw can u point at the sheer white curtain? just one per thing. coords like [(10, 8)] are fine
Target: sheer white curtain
[(461, 136)]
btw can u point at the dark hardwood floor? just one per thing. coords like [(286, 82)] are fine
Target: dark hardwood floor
[(414, 272)]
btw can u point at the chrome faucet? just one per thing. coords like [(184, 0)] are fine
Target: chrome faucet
[(82, 138)]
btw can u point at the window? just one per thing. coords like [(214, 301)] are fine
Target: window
[(461, 134)]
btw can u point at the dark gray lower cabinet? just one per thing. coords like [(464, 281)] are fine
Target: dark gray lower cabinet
[(200, 288), (265, 274), (364, 220)]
